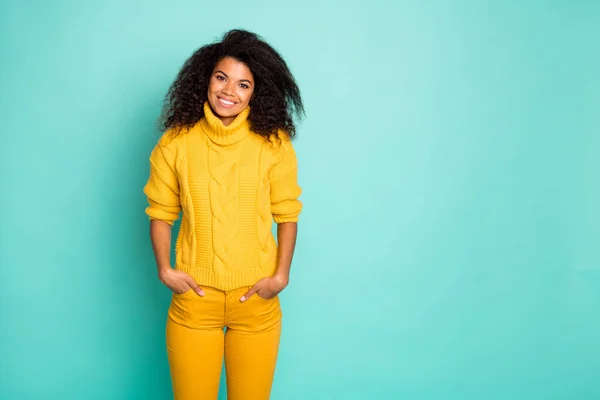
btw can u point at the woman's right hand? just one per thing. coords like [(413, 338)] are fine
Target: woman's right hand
[(179, 282)]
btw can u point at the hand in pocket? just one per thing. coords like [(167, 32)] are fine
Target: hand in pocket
[(179, 282)]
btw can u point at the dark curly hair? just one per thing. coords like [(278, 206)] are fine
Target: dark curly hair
[(274, 103)]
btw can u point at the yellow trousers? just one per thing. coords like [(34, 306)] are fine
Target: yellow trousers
[(197, 344)]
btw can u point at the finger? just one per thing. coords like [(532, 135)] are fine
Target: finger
[(249, 293), (190, 281)]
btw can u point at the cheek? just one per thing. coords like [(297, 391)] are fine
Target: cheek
[(214, 86), (247, 95)]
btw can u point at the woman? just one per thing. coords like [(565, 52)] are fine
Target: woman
[(227, 163)]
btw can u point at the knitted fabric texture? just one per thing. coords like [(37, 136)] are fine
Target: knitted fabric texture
[(230, 184)]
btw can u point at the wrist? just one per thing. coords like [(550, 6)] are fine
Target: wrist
[(164, 271), (282, 279)]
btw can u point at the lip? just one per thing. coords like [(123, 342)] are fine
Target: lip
[(226, 105)]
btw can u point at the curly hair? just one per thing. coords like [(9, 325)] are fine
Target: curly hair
[(276, 99)]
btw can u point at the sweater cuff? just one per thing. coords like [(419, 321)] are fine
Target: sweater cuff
[(163, 213), (286, 211), (281, 219)]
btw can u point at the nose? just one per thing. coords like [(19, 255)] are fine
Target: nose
[(228, 89)]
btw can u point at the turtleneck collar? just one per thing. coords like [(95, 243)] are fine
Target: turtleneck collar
[(221, 134)]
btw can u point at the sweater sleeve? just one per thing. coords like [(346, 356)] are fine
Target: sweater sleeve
[(162, 188), (285, 190)]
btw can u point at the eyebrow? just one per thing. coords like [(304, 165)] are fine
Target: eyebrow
[(227, 76)]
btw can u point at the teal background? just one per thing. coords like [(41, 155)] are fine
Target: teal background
[(448, 247)]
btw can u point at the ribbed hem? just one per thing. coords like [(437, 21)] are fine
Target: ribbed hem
[(225, 282)]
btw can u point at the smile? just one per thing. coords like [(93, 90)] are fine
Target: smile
[(226, 103)]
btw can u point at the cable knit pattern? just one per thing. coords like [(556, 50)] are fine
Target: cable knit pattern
[(223, 202), (231, 184)]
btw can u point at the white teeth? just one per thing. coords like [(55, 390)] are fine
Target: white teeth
[(226, 102)]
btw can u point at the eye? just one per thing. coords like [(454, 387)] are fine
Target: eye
[(244, 86), (220, 77)]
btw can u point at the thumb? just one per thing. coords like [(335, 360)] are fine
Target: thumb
[(250, 293), (190, 281)]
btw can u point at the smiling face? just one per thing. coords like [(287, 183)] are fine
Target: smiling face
[(230, 89)]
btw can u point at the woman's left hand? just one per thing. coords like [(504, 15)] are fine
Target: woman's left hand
[(266, 288)]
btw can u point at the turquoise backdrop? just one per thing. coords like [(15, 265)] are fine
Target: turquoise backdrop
[(449, 245)]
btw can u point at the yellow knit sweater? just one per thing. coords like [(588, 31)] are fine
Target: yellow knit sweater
[(230, 184)]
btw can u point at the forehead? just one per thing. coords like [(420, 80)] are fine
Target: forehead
[(234, 68)]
